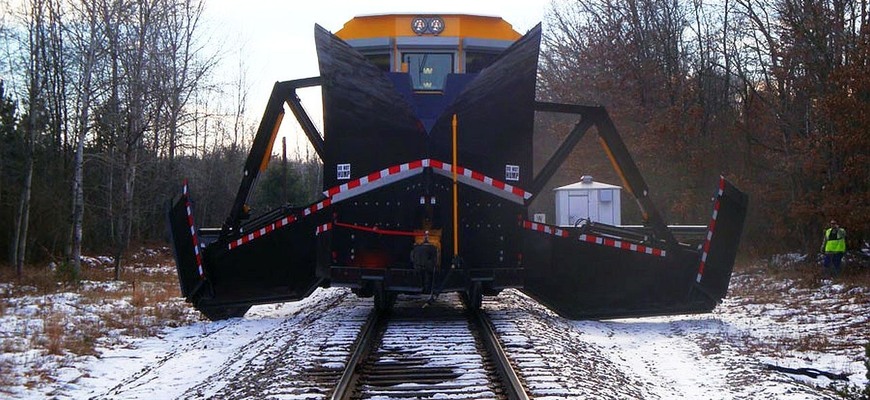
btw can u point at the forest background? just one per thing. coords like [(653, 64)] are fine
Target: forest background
[(119, 103)]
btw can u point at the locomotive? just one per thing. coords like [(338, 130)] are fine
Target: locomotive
[(427, 154)]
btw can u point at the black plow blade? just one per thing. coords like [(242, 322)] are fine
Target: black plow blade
[(269, 261), (597, 276)]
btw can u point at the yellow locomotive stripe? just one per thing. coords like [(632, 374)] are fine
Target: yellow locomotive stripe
[(455, 25)]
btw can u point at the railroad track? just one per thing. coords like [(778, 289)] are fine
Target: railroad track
[(426, 352)]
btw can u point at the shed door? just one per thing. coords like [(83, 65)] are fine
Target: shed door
[(578, 208), (605, 206)]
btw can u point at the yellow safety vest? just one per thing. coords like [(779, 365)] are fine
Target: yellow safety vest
[(838, 243)]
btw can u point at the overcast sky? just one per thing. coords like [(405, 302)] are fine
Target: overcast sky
[(275, 38)]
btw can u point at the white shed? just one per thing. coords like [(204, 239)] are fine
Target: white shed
[(587, 199)]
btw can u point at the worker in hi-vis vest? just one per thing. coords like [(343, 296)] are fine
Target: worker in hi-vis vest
[(834, 246)]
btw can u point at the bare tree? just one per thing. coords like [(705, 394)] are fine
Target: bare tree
[(87, 46), (757, 88), (34, 122), (791, 56), (161, 65), (241, 88), (186, 67), (135, 63), (113, 81), (7, 39)]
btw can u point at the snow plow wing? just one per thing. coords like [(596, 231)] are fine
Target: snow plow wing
[(594, 273), (223, 278)]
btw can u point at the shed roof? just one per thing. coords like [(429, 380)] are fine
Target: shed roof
[(585, 186)]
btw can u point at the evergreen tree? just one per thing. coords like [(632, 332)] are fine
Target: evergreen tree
[(9, 144)]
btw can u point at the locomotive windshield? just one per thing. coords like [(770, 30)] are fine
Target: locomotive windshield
[(428, 70)]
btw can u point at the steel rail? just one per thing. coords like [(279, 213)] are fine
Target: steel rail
[(481, 327), (513, 386), (347, 382)]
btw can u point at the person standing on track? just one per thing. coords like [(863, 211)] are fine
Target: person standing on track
[(834, 246)]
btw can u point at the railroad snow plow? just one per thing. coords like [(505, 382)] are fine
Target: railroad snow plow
[(427, 180)]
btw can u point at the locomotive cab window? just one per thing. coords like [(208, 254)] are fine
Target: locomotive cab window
[(428, 70), (476, 61), (382, 61)]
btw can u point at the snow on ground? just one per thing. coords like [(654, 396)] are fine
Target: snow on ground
[(721, 355)]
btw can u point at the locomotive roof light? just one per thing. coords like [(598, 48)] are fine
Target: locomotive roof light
[(430, 25)]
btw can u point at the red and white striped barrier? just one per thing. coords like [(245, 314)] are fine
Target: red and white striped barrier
[(262, 231), (600, 240), (195, 239), (619, 244), (323, 228), (480, 181), (278, 224), (550, 230), (393, 174), (398, 172), (374, 180), (317, 207), (710, 229)]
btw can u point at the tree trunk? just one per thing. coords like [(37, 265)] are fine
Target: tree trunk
[(138, 81), (36, 42), (24, 213), (78, 205), (23, 219)]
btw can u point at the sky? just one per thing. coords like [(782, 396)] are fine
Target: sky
[(274, 39)]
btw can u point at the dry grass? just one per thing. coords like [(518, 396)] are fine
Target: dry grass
[(6, 380), (812, 343), (138, 299), (797, 294), (144, 301), (84, 340), (856, 276), (33, 280), (806, 274), (54, 333)]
